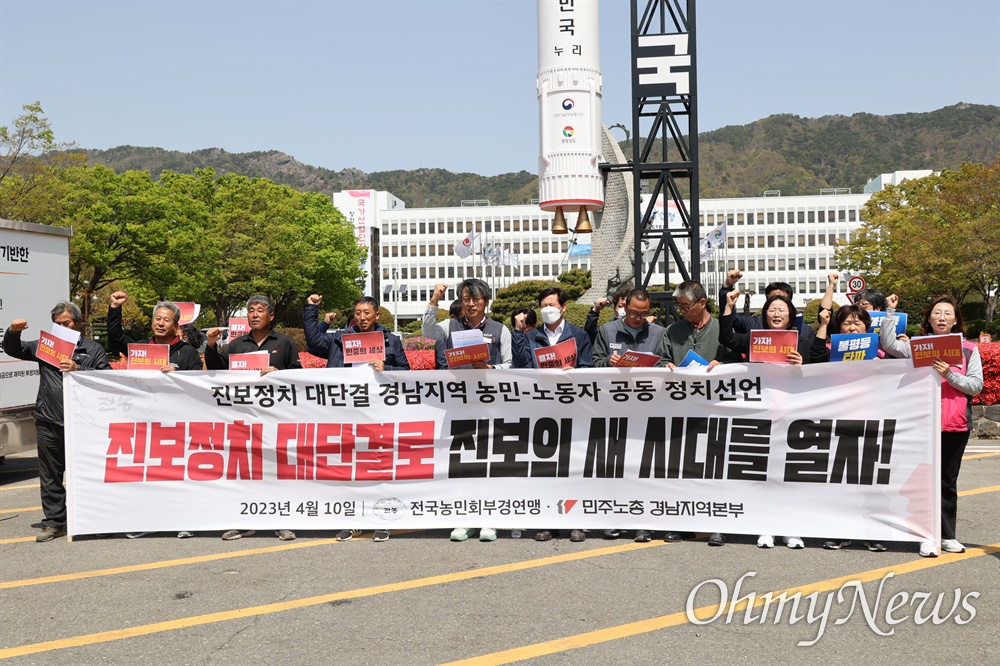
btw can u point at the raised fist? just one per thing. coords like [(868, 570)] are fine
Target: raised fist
[(824, 317), (732, 277), (891, 301), (833, 278), (118, 298), (18, 325), (732, 297), (601, 304), (519, 321), (330, 316), (212, 337), (314, 299)]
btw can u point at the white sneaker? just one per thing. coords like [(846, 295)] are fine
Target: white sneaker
[(765, 541), (795, 543), (487, 534), (952, 546), (460, 534), (928, 548)]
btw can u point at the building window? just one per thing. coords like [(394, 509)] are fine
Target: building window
[(781, 240), (750, 242), (812, 263), (822, 263), (395, 251), (752, 265), (802, 240), (770, 218), (385, 251), (451, 272), (739, 242), (821, 215), (506, 225), (770, 264), (740, 263), (812, 216), (781, 264), (423, 250), (770, 241), (852, 215), (731, 243), (781, 217), (451, 227), (841, 215), (802, 286)]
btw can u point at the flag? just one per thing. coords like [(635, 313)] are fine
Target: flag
[(468, 246), (712, 241)]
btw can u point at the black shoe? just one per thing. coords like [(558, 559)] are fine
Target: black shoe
[(875, 546), (643, 536), (717, 539), (835, 544), (576, 536), (49, 533), (612, 534), (543, 535), (673, 537)]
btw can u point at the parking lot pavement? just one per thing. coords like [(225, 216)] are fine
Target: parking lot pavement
[(420, 599)]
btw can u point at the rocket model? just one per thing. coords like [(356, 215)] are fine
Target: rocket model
[(569, 108)]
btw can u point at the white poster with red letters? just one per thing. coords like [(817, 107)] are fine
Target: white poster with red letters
[(838, 450)]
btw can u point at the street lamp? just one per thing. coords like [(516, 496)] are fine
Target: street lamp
[(86, 295)]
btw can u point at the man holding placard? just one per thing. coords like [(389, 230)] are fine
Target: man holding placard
[(365, 342), (555, 344), (630, 333), (693, 339), (166, 324), (261, 341), (83, 354), (473, 339)]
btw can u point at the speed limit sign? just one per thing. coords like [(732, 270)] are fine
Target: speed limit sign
[(856, 283)]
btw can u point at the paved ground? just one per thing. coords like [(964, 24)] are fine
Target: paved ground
[(420, 599)]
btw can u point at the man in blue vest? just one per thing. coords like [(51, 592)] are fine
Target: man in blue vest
[(475, 296)]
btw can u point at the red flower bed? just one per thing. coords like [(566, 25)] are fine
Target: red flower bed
[(990, 353), (420, 359)]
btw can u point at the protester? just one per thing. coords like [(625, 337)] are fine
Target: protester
[(365, 317), (959, 384), (696, 331), (629, 333), (555, 329), (745, 323), (530, 318), (281, 349), (331, 347), (190, 334), (618, 299), (475, 297), (49, 424), (165, 324), (870, 299)]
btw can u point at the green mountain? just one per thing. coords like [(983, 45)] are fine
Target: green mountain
[(782, 152)]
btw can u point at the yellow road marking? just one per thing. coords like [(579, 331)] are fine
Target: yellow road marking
[(16, 540), (981, 455), (163, 564), (23, 508), (239, 613), (978, 491), (34, 485), (706, 612)]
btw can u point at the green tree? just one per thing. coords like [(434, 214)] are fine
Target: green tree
[(934, 235), (575, 282)]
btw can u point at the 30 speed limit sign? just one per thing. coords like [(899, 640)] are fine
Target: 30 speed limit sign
[(856, 283)]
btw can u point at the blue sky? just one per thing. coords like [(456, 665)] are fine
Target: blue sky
[(380, 85)]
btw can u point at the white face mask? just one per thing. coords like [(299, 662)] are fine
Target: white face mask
[(621, 313), (551, 314)]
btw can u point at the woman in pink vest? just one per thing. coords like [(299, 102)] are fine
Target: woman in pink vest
[(958, 384)]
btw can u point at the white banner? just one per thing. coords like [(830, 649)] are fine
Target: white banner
[(845, 450)]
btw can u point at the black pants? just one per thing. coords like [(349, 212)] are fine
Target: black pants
[(51, 466), (952, 450)]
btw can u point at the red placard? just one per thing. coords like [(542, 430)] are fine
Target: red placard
[(767, 346), (562, 355), (238, 326), (250, 361), (189, 312), (460, 356), (147, 357), (364, 347), (634, 359), (52, 349), (927, 349)]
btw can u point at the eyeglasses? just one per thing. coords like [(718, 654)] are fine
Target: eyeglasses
[(468, 299), (772, 311), (684, 307), (637, 314)]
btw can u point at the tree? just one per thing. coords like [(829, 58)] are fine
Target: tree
[(575, 282), (28, 166), (934, 235)]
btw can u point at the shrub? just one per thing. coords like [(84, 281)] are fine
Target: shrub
[(298, 336), (420, 359), (415, 342), (990, 353)]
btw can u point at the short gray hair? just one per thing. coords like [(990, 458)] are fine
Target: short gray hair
[(167, 305), (691, 290), (72, 308), (261, 298)]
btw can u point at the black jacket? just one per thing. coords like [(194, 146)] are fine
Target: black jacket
[(182, 355), (88, 354), (282, 352), (331, 345), (811, 352)]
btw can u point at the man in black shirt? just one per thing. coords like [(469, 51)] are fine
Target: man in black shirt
[(281, 349), (88, 355), (282, 355), (166, 331)]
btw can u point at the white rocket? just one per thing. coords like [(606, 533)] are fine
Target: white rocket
[(569, 104)]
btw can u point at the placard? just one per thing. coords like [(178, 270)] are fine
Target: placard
[(147, 356), (772, 346)]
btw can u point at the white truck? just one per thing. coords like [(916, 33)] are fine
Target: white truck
[(34, 276)]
